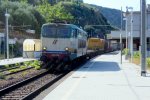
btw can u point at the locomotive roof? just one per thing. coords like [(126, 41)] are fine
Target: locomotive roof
[(67, 25)]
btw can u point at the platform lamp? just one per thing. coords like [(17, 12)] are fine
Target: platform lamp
[(131, 41), (7, 33)]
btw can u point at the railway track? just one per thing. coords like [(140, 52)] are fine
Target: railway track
[(31, 87), (28, 88), (6, 69), (6, 73)]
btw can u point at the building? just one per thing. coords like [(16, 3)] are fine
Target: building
[(115, 35)]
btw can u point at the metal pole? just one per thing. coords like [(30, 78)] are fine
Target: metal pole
[(7, 34), (121, 38), (12, 51), (143, 38), (126, 35), (121, 48), (132, 35)]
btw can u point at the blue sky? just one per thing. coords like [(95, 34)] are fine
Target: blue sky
[(117, 3)]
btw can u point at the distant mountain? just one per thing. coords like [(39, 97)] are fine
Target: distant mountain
[(113, 16)]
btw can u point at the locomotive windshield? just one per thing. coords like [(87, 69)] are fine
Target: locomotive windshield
[(56, 32)]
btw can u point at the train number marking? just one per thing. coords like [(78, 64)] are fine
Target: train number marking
[(55, 41)]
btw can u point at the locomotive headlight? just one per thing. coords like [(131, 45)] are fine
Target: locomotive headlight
[(44, 48), (67, 49)]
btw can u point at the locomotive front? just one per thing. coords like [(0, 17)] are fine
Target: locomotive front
[(59, 42)]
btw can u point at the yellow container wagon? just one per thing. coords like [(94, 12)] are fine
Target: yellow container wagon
[(95, 44)]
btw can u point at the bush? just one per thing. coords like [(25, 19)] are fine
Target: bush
[(27, 63), (137, 54), (37, 67), (17, 64), (23, 67), (148, 62), (125, 51), (36, 64)]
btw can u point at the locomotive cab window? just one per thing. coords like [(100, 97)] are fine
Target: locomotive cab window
[(48, 32), (63, 33)]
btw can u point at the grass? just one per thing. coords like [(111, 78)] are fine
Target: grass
[(36, 64), (2, 76)]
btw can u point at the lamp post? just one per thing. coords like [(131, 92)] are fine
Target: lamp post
[(7, 34), (131, 44), (143, 37)]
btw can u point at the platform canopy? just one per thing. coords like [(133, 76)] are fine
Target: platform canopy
[(32, 45)]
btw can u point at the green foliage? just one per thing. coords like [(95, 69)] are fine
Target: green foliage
[(2, 76), (14, 70), (37, 12), (87, 15), (53, 13), (125, 51), (7, 66), (137, 54), (113, 15), (17, 64), (21, 13), (18, 69), (37, 67), (23, 67), (36, 64), (148, 62), (27, 63)]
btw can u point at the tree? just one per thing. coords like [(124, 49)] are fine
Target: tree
[(21, 13), (53, 13)]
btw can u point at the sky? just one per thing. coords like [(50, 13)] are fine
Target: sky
[(117, 4)]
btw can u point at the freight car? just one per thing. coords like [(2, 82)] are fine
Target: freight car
[(95, 44)]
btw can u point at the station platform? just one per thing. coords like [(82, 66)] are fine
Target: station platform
[(14, 60), (103, 78)]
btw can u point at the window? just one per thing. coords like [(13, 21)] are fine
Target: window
[(56, 32), (49, 32), (63, 33), (80, 34), (74, 33)]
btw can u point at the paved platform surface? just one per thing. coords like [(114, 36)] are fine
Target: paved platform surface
[(104, 78), (13, 61)]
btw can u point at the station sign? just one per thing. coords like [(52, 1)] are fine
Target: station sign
[(12, 41)]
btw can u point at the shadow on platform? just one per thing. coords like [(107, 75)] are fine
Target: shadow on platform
[(100, 66)]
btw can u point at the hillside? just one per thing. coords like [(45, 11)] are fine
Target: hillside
[(34, 14), (112, 15), (81, 15)]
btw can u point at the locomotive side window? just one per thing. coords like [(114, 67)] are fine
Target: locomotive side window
[(80, 34), (74, 33)]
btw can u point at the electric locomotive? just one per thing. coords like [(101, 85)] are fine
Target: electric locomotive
[(62, 42)]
